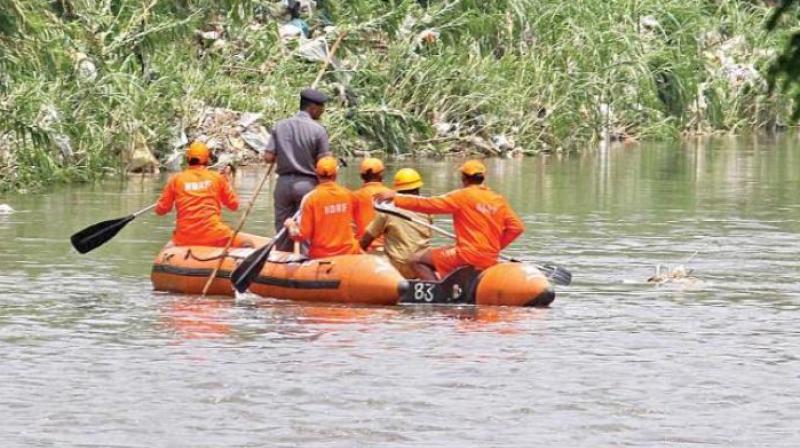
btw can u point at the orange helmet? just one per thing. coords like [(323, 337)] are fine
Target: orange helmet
[(371, 164), (473, 167), (327, 166), (198, 150)]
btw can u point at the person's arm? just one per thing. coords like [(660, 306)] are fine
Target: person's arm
[(358, 219), (292, 228), (167, 199), (373, 230), (270, 151), (446, 203), (305, 222), (228, 197), (365, 241), (512, 227), (323, 145)]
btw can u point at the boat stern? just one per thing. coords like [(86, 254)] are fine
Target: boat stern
[(514, 284)]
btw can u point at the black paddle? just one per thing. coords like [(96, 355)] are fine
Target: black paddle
[(559, 275), (250, 267), (98, 234)]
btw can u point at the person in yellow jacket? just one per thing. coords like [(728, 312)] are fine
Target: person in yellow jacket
[(402, 238)]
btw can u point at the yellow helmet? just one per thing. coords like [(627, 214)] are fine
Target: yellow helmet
[(407, 179)]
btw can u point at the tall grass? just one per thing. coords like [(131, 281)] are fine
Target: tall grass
[(545, 73)]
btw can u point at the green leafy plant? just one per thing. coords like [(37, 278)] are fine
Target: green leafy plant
[(412, 77)]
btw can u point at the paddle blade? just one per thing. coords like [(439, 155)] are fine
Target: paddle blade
[(98, 234), (557, 274), (248, 270)]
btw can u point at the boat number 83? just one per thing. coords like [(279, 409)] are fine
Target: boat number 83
[(423, 292)]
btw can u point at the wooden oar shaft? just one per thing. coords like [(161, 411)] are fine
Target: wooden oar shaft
[(145, 210), (428, 225), (238, 229), (328, 59)]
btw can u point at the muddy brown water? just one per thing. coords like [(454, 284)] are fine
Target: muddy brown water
[(90, 356)]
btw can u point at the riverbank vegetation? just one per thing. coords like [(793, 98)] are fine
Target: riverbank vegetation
[(92, 87)]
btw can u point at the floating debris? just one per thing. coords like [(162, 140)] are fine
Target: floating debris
[(649, 23), (138, 157), (502, 143), (678, 274), (6, 209), (445, 128), (724, 60), (315, 50), (174, 161), (426, 37), (612, 129), (293, 29), (211, 36), (85, 67), (49, 120), (226, 131)]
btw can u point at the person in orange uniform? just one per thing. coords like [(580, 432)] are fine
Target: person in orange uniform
[(326, 215), (198, 195), (372, 174), (484, 224)]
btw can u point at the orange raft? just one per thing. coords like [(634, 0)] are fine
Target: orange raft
[(361, 279)]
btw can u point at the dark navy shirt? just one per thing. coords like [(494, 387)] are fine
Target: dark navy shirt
[(298, 142)]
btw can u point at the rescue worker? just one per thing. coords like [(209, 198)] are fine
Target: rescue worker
[(371, 170), (484, 224), (296, 145), (326, 216), (198, 194), (403, 238)]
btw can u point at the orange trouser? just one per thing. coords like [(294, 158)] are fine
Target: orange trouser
[(446, 260)]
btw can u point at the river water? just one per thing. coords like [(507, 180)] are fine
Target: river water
[(91, 357)]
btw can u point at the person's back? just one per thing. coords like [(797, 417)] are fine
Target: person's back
[(402, 238), (480, 219), (372, 175), (198, 195), (366, 211), (298, 142), (326, 216)]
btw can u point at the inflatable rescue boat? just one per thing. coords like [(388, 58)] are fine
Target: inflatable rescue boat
[(358, 279)]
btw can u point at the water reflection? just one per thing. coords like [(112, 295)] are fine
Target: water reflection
[(190, 317), (197, 318)]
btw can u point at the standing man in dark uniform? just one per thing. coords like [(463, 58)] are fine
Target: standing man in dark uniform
[(296, 144)]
